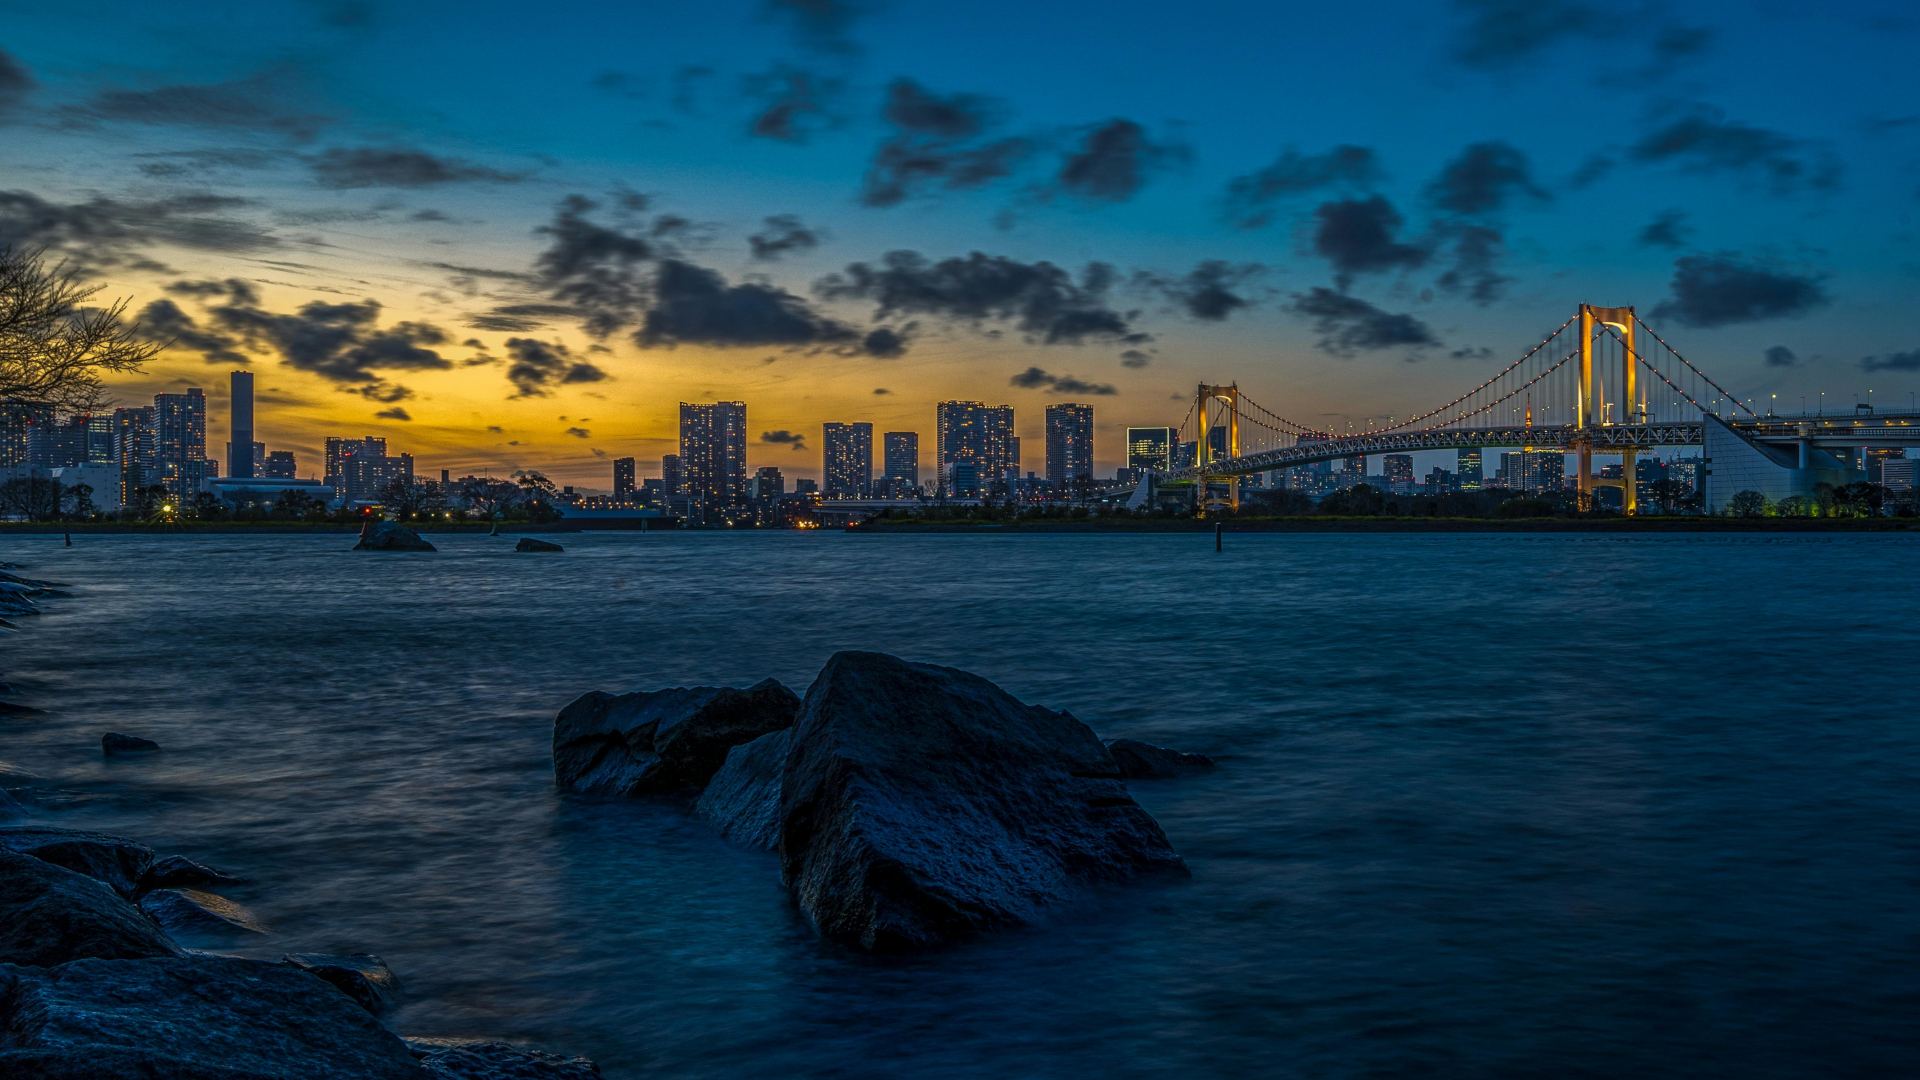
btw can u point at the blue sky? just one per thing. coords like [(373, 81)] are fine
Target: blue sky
[(1746, 173)]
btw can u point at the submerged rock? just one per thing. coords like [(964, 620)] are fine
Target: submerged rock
[(119, 863), (114, 744), (189, 1018), (464, 1059), (10, 807), (1145, 761), (743, 798), (921, 804), (528, 543), (176, 871), (188, 911), (387, 536), (8, 708), (51, 915), (363, 977), (661, 742)]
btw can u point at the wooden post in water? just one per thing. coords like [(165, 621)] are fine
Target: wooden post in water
[(1216, 535)]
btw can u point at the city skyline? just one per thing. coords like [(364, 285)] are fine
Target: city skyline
[(839, 212)]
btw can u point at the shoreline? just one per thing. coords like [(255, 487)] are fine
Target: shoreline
[(1650, 524)]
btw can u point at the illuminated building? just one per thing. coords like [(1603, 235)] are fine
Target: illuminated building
[(713, 457), (1150, 448), (1069, 443), (847, 459)]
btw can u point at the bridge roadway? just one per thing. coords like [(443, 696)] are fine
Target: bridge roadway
[(1830, 432)]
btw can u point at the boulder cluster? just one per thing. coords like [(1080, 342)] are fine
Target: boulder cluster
[(93, 985), (19, 596), (911, 805)]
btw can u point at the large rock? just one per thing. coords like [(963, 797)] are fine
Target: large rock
[(387, 536), (363, 977), (190, 911), (212, 1017), (462, 1059), (661, 742), (50, 915), (180, 872), (114, 744), (1145, 761), (743, 798), (921, 804), (120, 863), (528, 543)]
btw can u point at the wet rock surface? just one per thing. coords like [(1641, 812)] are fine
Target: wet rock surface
[(120, 863), (189, 1017), (1145, 761), (190, 911), (388, 536), (477, 1060), (361, 976), (114, 744), (51, 915), (923, 804), (528, 543), (178, 871), (742, 800), (661, 742)]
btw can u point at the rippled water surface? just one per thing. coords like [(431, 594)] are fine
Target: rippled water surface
[(1500, 804)]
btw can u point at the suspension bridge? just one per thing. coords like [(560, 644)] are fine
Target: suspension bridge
[(1603, 383)]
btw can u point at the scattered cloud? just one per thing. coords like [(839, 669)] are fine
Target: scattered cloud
[(1718, 290), (594, 271), (100, 231), (1035, 379), (693, 305), (1483, 179), (163, 321), (535, 367), (887, 343), (1781, 356), (821, 25), (1476, 251), (1348, 323), (937, 142), (1113, 162), (1250, 199), (341, 342), (1503, 33), (1704, 143), (398, 167), (256, 104), (384, 393), (178, 164), (1134, 358), (1207, 292), (1042, 300), (794, 105), (395, 413), (1668, 229), (782, 234), (1900, 361), (580, 433), (878, 390), (784, 437), (15, 85), (1358, 236)]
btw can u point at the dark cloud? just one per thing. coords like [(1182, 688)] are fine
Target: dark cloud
[(429, 215), (398, 167), (794, 105), (938, 142), (1134, 358), (1358, 236), (693, 305), (822, 25), (537, 366), (341, 342), (1035, 379), (1900, 361), (1347, 323), (1677, 42), (887, 343), (1481, 353), (1208, 291), (1502, 33), (15, 85), (172, 164), (1476, 252), (784, 437), (1482, 179), (1250, 198), (1717, 290), (395, 413), (594, 270), (1041, 299), (1590, 171), (1668, 229), (163, 321), (1781, 356), (580, 433), (1113, 162), (100, 231), (255, 104), (1703, 143), (783, 233), (879, 390), (520, 318), (383, 392)]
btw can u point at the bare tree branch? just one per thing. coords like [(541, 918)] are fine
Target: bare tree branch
[(54, 350)]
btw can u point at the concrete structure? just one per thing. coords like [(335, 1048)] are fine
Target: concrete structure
[(240, 425), (103, 482), (1736, 461), (244, 490)]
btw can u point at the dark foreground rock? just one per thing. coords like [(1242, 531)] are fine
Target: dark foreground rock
[(190, 911), (387, 536), (194, 1017), (9, 708), (363, 977), (1145, 761), (661, 742), (180, 872), (50, 915), (120, 863), (528, 543), (114, 744), (922, 804), (464, 1060), (743, 798)]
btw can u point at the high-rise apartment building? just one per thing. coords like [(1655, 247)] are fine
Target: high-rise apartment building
[(358, 470), (671, 478), (1466, 469), (133, 452), (279, 465), (713, 455), (767, 483), (1069, 443), (623, 479), (1397, 471), (58, 443), (973, 445), (1353, 470), (240, 459), (902, 463), (847, 459), (180, 441), (1150, 448), (17, 424)]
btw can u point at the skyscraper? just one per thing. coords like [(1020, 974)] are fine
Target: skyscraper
[(58, 443), (671, 478), (623, 479), (847, 459), (240, 428), (180, 440), (713, 454), (1353, 470), (902, 464), (1467, 469), (133, 452), (358, 470), (972, 444), (1150, 448), (1397, 470), (1069, 443)]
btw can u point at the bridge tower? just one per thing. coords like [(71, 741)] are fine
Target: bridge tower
[(1204, 452), (1590, 411)]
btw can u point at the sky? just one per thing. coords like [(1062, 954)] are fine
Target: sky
[(516, 236)]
